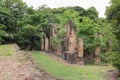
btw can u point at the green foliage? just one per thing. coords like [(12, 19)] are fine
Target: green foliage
[(113, 16), (88, 30), (2, 33), (61, 33), (105, 57), (28, 37), (92, 13), (115, 59), (55, 41)]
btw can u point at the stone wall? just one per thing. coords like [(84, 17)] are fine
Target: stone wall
[(69, 49), (42, 44), (70, 52), (46, 44), (97, 54), (80, 48)]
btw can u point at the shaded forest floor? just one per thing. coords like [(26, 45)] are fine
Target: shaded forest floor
[(35, 65)]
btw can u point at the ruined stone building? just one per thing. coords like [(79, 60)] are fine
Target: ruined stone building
[(53, 33), (73, 51), (97, 54), (72, 48), (46, 44), (70, 52)]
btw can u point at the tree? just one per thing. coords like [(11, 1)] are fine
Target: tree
[(28, 36), (92, 13), (88, 30), (2, 33), (113, 16)]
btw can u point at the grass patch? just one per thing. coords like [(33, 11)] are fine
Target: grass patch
[(118, 78), (7, 50), (88, 72)]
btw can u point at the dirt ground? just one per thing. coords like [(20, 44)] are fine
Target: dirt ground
[(21, 67), (112, 75)]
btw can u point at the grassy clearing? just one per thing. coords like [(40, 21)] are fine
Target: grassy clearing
[(7, 50), (59, 70)]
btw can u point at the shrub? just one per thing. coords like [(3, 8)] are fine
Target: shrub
[(115, 59)]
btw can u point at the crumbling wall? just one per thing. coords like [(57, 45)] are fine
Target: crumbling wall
[(56, 49), (69, 53), (97, 54), (80, 52), (70, 50), (46, 44), (80, 48), (42, 44), (71, 36)]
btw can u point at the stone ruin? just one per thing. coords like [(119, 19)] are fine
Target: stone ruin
[(53, 33), (70, 52), (73, 51), (72, 48), (97, 53)]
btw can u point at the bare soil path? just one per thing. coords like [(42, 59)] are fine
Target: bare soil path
[(21, 66)]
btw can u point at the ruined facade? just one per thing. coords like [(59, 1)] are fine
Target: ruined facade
[(80, 48), (53, 30), (71, 36), (70, 52), (42, 44), (80, 51), (46, 44), (70, 48), (97, 54), (53, 33)]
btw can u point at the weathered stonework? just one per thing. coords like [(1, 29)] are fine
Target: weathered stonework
[(110, 45), (42, 44), (71, 35), (69, 49), (46, 44), (80, 52), (53, 30), (53, 33), (97, 54), (80, 48), (70, 52)]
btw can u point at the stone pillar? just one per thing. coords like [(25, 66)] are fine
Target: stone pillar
[(80, 48), (110, 45), (80, 52), (97, 54), (42, 44), (59, 50), (71, 36), (72, 44), (53, 33), (46, 44)]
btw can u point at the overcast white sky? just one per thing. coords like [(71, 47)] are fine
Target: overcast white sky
[(100, 5)]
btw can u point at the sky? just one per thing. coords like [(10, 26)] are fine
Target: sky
[(100, 5)]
